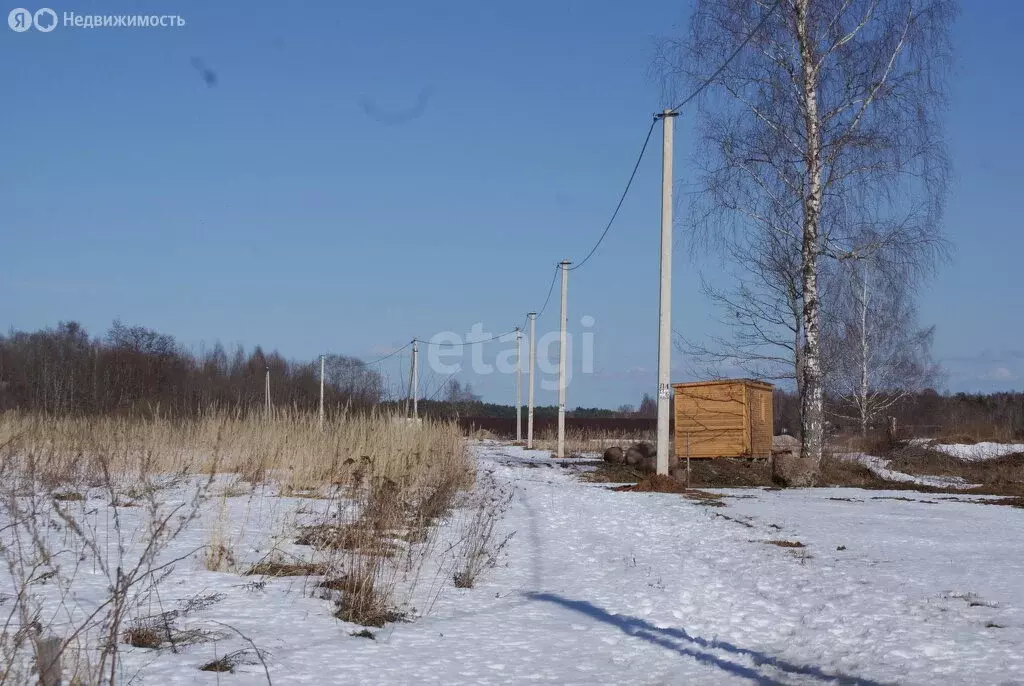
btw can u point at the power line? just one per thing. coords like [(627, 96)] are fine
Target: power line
[(391, 354), (461, 345), (629, 183), (551, 289), (622, 199), (708, 81)]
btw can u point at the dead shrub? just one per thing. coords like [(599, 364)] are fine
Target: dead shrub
[(479, 546), (362, 601)]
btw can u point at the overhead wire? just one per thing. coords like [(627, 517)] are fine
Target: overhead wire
[(390, 354), (711, 79), (622, 198)]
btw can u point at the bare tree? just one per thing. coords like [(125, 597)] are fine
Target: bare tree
[(648, 407), (760, 313), (876, 355), (823, 131)]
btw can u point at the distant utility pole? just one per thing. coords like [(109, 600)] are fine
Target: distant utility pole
[(529, 412), (564, 264), (519, 385), (415, 379), (321, 392), (408, 392), (267, 395), (665, 300)]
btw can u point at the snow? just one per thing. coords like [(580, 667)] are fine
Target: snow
[(605, 587), (880, 467), (979, 451)]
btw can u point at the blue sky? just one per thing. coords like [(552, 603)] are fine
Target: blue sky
[(363, 173)]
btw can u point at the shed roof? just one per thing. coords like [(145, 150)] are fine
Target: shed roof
[(724, 382)]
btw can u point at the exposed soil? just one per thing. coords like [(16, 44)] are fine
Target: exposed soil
[(717, 473)]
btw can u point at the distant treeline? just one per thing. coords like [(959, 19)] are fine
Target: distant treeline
[(132, 369), (926, 414), (135, 370)]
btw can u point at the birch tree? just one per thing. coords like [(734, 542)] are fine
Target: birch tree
[(823, 128), (876, 354)]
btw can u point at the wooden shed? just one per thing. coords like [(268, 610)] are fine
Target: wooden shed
[(726, 418)]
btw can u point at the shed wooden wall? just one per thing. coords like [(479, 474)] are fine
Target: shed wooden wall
[(762, 421), (723, 419)]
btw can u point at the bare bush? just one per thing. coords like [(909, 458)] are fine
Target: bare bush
[(480, 545)]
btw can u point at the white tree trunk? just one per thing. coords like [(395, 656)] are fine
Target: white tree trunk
[(864, 353), (812, 403)]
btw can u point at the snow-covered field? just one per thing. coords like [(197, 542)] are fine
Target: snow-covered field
[(605, 587)]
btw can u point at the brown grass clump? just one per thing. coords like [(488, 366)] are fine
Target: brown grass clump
[(221, 664), (356, 537), (362, 603), (144, 637), (279, 568), (786, 544), (218, 558)]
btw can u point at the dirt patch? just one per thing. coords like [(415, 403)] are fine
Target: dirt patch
[(716, 473), (1009, 502), (659, 483), (786, 544)]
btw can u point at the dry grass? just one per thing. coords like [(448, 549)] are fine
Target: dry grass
[(278, 568), (287, 449), (581, 441), (395, 480)]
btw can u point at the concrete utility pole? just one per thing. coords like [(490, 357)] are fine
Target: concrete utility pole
[(564, 264), (415, 380), (321, 392), (529, 411), (519, 385), (665, 300), (267, 394)]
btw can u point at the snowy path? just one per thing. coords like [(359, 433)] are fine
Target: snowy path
[(606, 587)]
